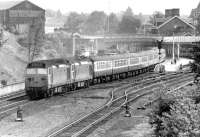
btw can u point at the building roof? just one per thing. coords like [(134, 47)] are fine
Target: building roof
[(8, 4), (4, 5), (173, 19), (198, 6)]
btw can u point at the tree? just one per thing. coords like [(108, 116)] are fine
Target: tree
[(50, 13), (156, 14), (128, 12), (175, 115), (74, 22), (95, 24), (112, 23), (35, 38), (129, 23), (58, 14), (198, 25)]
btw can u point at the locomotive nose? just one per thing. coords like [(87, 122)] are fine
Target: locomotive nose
[(36, 81)]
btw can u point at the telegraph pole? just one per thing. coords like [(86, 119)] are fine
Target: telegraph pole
[(74, 36)]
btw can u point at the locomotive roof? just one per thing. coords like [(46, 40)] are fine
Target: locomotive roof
[(47, 63), (122, 56), (58, 61)]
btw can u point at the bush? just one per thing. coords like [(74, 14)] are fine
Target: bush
[(162, 108), (3, 82), (176, 116)]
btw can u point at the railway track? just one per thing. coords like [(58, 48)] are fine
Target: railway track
[(144, 82), (81, 127), (8, 106), (13, 95), (11, 102), (131, 97)]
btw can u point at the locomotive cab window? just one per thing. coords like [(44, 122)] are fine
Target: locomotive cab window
[(36, 71), (41, 71), (31, 71)]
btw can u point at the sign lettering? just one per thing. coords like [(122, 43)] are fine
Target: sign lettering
[(24, 13), (36, 65)]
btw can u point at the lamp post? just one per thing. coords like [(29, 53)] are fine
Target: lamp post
[(173, 50), (173, 58)]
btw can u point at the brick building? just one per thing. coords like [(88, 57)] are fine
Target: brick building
[(20, 16), (195, 14), (171, 13), (176, 26)]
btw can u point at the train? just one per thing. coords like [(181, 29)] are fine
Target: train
[(45, 78)]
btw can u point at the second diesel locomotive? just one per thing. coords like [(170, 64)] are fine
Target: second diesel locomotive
[(46, 77)]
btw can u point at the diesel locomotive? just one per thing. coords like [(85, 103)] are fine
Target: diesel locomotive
[(45, 78)]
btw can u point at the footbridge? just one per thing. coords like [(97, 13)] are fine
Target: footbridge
[(176, 46)]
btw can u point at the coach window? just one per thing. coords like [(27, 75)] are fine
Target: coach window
[(155, 56), (134, 61), (151, 57), (97, 65), (31, 71), (42, 71), (144, 59), (119, 62)]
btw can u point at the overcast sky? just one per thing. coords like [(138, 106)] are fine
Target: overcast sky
[(138, 6)]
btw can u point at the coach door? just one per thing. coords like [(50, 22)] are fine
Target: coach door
[(50, 76), (73, 71)]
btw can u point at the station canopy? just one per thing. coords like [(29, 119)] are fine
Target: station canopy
[(181, 39)]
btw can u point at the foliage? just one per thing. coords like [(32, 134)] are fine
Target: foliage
[(196, 56), (175, 116), (52, 13), (112, 23), (58, 14), (129, 23), (128, 12), (156, 14), (35, 39), (198, 26), (3, 82), (74, 22), (95, 24)]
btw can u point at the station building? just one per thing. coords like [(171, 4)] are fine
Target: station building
[(19, 16), (176, 26)]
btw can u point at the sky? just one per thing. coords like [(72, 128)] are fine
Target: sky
[(138, 6)]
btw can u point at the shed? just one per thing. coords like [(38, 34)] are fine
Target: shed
[(19, 16)]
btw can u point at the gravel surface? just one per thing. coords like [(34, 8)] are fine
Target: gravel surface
[(44, 115)]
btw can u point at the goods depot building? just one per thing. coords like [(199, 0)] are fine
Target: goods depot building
[(19, 16)]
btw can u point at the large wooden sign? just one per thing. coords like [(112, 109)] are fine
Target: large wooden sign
[(24, 13)]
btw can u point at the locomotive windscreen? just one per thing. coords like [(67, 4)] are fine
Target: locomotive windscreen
[(36, 65)]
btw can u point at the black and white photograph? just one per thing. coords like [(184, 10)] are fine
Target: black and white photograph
[(99, 68)]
